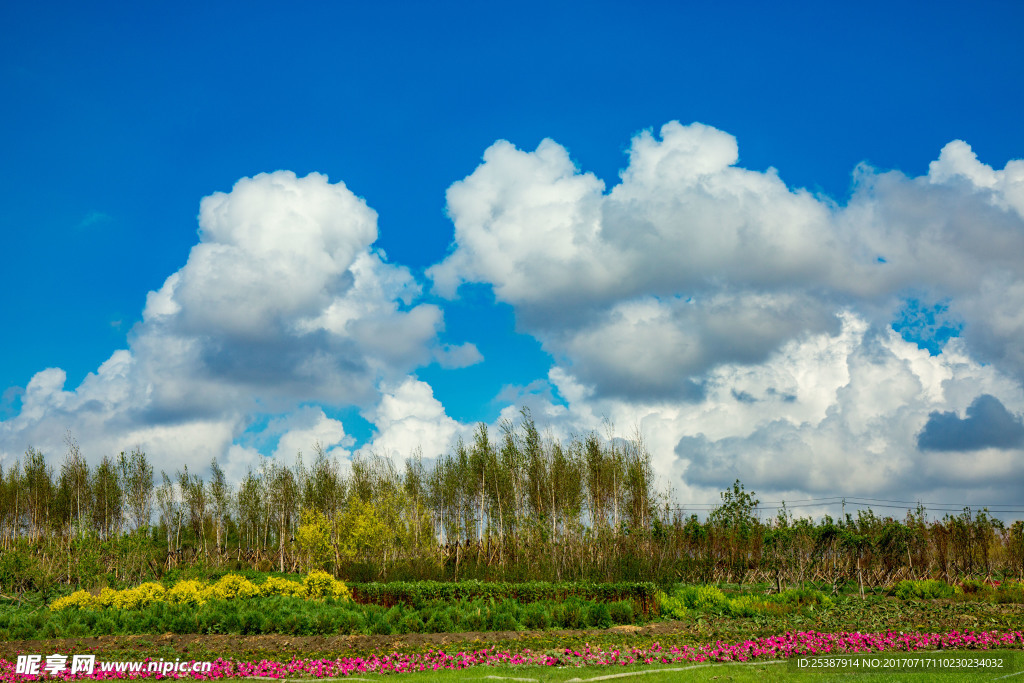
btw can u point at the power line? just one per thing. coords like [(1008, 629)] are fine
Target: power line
[(871, 503), (833, 500)]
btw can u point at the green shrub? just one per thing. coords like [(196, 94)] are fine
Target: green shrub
[(703, 598), (440, 622), (621, 611), (412, 623), (745, 606), (803, 596), (571, 613), (671, 606), (598, 616), (536, 616), (505, 621), (474, 617), (923, 590), (231, 586)]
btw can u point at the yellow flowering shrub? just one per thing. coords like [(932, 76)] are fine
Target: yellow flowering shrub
[(322, 584), (106, 598), (275, 585), (78, 599), (231, 586), (192, 592), (141, 596), (189, 592)]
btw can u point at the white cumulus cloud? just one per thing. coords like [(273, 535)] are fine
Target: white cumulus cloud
[(691, 261), (283, 302)]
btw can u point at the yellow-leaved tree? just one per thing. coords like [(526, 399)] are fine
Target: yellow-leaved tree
[(375, 530), (315, 541)]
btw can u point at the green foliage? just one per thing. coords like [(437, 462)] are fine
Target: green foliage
[(928, 589), (505, 619), (571, 613), (19, 570), (686, 600), (440, 622), (621, 611), (515, 507), (736, 513), (536, 616), (599, 616), (701, 598), (421, 593)]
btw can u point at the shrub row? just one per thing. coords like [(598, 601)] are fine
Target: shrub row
[(194, 592), (420, 593), (931, 589), (297, 616), (687, 599)]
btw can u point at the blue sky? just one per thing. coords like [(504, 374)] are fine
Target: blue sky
[(119, 120)]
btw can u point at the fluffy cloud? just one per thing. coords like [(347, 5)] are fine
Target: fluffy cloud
[(746, 328), (862, 436), (683, 218), (408, 417), (691, 261), (304, 428), (283, 302), (824, 415)]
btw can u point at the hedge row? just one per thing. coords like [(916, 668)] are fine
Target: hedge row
[(931, 589), (710, 599), (641, 594), (194, 592)]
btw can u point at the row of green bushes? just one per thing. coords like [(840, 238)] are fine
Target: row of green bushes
[(685, 600), (421, 593), (931, 589), (320, 584), (296, 616)]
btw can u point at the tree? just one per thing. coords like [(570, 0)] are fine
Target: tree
[(38, 488), (170, 511), (220, 495), (137, 481), (195, 502), (251, 509), (314, 538), (74, 491), (107, 497)]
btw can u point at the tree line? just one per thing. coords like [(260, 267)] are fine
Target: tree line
[(512, 506)]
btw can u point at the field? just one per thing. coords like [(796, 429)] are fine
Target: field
[(695, 633)]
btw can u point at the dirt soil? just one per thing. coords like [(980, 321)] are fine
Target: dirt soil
[(209, 647)]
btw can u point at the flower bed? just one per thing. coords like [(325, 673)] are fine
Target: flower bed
[(770, 648)]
